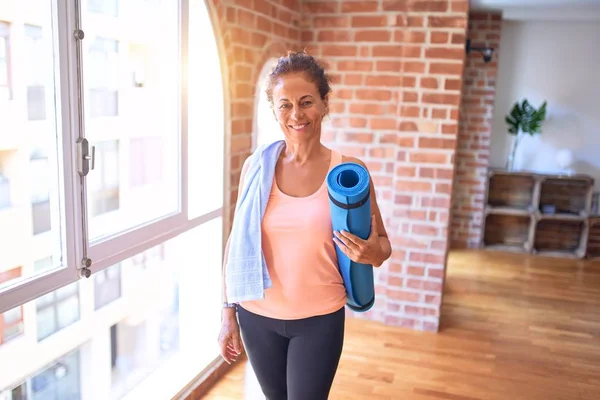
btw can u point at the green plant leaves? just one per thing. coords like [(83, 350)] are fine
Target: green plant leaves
[(526, 118)]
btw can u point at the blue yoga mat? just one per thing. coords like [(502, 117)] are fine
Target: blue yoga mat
[(350, 205)]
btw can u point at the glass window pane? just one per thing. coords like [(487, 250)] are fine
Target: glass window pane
[(153, 327), (3, 51), (36, 70), (66, 291), (30, 189), (5, 201), (3, 69), (205, 116), (45, 300), (132, 114), (46, 322), (36, 103), (43, 264), (13, 316), (12, 331), (58, 381), (107, 286), (57, 310), (11, 324), (68, 311), (107, 7), (40, 215)]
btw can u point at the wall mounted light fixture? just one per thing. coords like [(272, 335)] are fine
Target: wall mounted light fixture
[(486, 51)]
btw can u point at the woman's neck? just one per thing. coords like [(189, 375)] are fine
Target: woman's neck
[(301, 152)]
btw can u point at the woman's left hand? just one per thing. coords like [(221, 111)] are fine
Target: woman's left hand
[(359, 250)]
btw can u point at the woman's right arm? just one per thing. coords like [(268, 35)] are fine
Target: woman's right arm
[(229, 339)]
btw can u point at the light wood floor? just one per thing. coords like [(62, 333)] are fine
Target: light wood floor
[(513, 327)]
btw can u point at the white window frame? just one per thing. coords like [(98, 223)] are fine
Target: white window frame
[(73, 207)]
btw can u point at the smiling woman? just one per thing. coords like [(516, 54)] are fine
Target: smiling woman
[(293, 330)]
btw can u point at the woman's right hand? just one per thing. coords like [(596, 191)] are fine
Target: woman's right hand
[(230, 342)]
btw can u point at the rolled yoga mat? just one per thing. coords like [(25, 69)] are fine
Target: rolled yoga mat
[(350, 205)]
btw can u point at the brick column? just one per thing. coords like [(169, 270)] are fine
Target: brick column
[(398, 67), (473, 153)]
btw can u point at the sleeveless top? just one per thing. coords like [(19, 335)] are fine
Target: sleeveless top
[(297, 240)]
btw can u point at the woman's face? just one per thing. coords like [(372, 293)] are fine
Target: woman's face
[(298, 107)]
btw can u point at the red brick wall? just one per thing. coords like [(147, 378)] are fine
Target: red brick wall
[(479, 93), (249, 33), (398, 67)]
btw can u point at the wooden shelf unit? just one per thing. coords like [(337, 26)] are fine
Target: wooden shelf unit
[(539, 214), (593, 244)]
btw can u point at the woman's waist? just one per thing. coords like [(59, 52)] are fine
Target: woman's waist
[(282, 304), (292, 275)]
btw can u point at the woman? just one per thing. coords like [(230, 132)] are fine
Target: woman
[(293, 334)]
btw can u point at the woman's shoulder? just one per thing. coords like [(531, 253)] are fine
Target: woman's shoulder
[(350, 159), (344, 158)]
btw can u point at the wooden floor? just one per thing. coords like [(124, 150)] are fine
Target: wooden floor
[(513, 327)]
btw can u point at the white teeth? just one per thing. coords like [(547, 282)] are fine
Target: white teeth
[(299, 126)]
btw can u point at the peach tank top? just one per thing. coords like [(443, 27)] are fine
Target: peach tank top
[(298, 245)]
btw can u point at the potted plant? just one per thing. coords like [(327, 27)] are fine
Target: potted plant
[(524, 119)]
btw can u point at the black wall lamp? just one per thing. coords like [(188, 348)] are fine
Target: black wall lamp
[(486, 51)]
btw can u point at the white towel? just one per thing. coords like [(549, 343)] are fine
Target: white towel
[(246, 273)]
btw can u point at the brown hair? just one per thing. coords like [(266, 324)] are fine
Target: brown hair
[(296, 62)]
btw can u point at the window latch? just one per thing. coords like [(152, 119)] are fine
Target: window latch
[(79, 34), (84, 271), (85, 156)]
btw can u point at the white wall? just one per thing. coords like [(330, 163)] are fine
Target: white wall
[(558, 62)]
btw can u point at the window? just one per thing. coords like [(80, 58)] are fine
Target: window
[(36, 62), (138, 57), (134, 101), (9, 275), (43, 264), (131, 329), (105, 182), (37, 183), (103, 71), (5, 78), (4, 192), (40, 192), (151, 328), (57, 310), (107, 7), (59, 381), (11, 321), (40, 213), (145, 161), (107, 286), (151, 335)]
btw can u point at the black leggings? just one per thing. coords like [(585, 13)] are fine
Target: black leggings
[(293, 359)]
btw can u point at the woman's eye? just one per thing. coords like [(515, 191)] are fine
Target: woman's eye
[(306, 104)]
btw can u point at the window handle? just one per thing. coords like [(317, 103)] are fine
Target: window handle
[(91, 158), (86, 156)]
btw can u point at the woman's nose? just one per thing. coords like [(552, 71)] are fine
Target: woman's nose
[(297, 113)]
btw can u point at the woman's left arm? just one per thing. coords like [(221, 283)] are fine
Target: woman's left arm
[(374, 250)]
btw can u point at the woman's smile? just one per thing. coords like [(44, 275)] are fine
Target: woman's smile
[(299, 127)]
